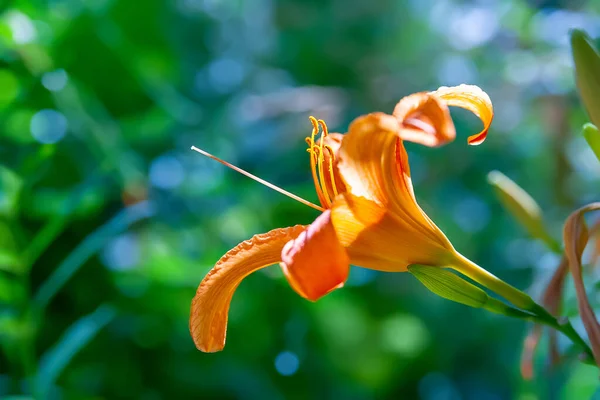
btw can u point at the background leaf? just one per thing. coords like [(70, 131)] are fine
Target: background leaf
[(75, 338)]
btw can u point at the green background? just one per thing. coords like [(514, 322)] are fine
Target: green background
[(108, 221)]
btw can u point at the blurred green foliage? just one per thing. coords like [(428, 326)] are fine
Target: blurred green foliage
[(108, 221)]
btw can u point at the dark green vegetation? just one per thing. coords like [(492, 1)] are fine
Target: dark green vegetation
[(108, 221)]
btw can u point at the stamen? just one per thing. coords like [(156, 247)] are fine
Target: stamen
[(321, 173), (330, 166), (315, 130), (317, 161), (259, 180), (324, 127), (314, 160)]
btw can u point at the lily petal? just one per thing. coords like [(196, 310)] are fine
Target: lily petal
[(378, 219), (425, 120), (374, 164), (370, 144), (315, 263), (208, 317), (378, 239), (472, 98)]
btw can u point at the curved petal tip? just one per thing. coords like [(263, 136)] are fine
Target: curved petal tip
[(472, 98), (210, 306)]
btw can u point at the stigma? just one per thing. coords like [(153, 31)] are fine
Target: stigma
[(322, 147), (259, 180)]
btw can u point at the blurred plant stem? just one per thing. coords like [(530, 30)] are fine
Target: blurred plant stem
[(32, 248), (32, 307), (24, 343), (88, 247), (77, 336), (15, 316), (555, 122)]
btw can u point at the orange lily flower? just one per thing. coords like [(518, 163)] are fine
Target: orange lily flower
[(369, 214)]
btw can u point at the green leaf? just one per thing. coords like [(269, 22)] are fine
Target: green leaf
[(9, 325), (10, 87), (592, 136), (522, 207), (87, 248), (582, 383), (10, 262), (77, 336), (12, 290), (58, 221), (16, 335), (449, 285), (10, 187), (587, 73)]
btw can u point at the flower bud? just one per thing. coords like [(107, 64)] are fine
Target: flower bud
[(592, 136), (522, 207), (587, 73)]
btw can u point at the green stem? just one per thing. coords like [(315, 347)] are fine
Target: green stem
[(527, 309), (492, 282), (544, 317)]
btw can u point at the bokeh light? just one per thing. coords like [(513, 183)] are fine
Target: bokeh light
[(48, 126), (286, 363)]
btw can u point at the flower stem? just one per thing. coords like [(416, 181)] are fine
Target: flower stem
[(564, 326), (495, 284), (527, 308)]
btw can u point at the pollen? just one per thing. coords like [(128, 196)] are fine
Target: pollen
[(322, 158)]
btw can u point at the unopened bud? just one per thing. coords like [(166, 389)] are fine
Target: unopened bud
[(587, 73), (522, 207), (592, 136)]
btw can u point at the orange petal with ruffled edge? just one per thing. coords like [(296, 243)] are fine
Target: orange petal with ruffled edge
[(315, 263), (472, 98), (210, 306), (425, 119)]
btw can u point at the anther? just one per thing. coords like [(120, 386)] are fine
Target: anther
[(314, 161), (324, 127)]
